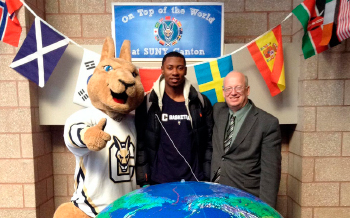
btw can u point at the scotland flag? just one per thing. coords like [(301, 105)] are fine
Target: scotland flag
[(39, 53)]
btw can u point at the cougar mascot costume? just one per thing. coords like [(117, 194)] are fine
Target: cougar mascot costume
[(103, 137)]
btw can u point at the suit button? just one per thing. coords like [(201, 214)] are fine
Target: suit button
[(223, 159)]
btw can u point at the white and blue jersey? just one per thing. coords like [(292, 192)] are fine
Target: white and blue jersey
[(101, 176)]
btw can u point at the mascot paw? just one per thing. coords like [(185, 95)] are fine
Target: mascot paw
[(68, 210), (95, 138)]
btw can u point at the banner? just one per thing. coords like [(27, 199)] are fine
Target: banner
[(154, 29)]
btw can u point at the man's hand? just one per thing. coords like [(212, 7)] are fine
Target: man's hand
[(95, 138)]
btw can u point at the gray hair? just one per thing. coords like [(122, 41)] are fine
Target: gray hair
[(246, 80)]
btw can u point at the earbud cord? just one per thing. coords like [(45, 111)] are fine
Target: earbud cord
[(177, 149)]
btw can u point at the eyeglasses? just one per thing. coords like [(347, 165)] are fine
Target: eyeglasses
[(238, 89)]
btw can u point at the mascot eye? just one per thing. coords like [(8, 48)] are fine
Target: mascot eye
[(134, 74), (107, 68)]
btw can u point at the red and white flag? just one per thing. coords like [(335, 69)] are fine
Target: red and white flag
[(343, 28), (10, 29)]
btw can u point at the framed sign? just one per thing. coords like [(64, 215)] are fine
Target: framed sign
[(194, 29)]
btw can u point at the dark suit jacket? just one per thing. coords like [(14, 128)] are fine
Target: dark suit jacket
[(253, 163)]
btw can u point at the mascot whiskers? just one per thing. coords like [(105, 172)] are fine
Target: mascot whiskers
[(103, 137)]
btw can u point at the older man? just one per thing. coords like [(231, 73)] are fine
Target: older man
[(246, 143)]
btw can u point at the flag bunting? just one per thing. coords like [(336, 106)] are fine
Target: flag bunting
[(210, 77), (39, 53), (148, 77), (343, 28), (328, 21), (311, 14), (215, 70), (87, 67), (10, 28), (267, 53)]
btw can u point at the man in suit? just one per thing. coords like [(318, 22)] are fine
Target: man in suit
[(246, 143)]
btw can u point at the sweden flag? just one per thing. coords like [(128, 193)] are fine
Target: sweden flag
[(210, 77)]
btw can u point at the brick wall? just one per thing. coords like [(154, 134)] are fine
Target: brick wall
[(26, 182), (319, 163), (37, 169)]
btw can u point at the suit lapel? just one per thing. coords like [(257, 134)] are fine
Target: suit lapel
[(245, 128), (223, 115)]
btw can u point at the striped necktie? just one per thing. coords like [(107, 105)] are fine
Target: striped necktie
[(227, 144), (229, 133)]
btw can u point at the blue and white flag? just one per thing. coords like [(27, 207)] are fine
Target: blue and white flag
[(87, 67), (39, 53)]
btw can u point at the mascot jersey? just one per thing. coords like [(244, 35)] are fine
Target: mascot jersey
[(101, 176)]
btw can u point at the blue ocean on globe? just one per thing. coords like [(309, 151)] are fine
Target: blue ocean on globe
[(189, 199)]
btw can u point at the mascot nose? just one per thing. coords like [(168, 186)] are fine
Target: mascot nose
[(126, 84)]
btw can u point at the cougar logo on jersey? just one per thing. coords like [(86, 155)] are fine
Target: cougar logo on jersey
[(123, 154), (122, 160)]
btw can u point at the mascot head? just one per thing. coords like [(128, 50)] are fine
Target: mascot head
[(115, 86)]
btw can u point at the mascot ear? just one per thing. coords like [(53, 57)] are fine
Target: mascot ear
[(107, 49), (125, 51)]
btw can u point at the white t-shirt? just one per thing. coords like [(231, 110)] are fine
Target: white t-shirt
[(102, 176)]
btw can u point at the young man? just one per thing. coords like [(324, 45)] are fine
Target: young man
[(174, 127), (246, 143)]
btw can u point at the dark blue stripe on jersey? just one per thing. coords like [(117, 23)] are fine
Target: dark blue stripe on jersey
[(75, 203), (78, 134), (88, 204), (81, 174), (81, 141)]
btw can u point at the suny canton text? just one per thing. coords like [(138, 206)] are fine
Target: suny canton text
[(163, 51)]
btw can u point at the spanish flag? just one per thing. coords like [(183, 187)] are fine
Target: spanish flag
[(210, 77), (267, 53)]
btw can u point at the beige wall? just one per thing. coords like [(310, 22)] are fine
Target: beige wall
[(26, 181), (319, 158), (37, 169)]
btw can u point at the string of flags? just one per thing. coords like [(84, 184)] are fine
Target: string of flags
[(210, 77), (39, 53), (325, 23), (267, 53), (10, 28)]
